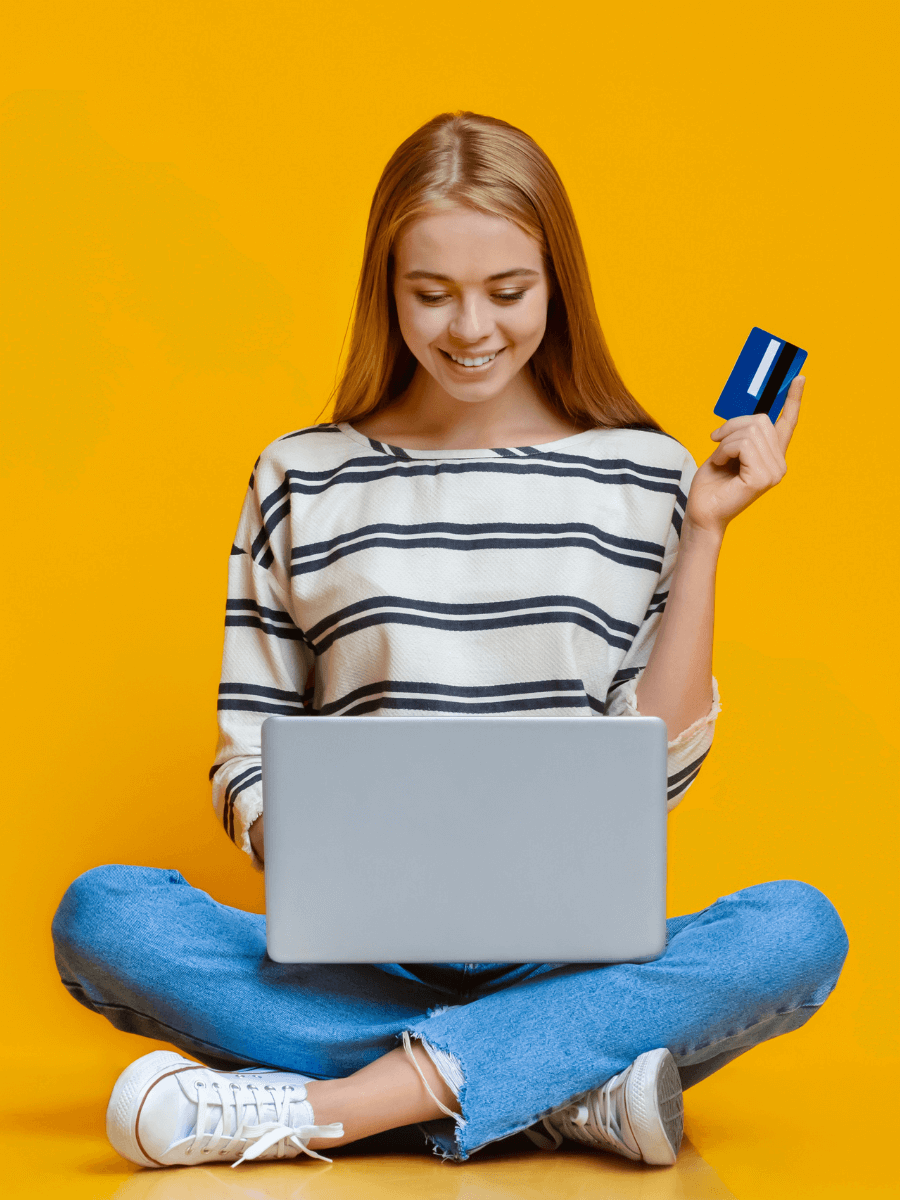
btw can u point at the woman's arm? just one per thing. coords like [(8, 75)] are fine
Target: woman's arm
[(266, 661), (676, 684)]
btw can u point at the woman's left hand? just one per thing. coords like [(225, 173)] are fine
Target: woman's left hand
[(749, 459)]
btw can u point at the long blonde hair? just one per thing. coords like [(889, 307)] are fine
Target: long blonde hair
[(493, 167)]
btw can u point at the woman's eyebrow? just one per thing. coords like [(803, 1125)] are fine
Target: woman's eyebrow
[(490, 278)]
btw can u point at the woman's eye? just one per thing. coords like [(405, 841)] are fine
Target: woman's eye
[(433, 298)]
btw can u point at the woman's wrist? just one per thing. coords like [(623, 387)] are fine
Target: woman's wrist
[(700, 537)]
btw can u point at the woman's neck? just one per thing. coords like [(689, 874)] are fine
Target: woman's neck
[(417, 422)]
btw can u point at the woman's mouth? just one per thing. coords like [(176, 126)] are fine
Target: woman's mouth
[(475, 364)]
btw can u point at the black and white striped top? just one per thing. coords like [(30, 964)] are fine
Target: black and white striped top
[(366, 578)]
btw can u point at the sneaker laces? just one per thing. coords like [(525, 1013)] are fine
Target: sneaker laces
[(254, 1138), (591, 1116)]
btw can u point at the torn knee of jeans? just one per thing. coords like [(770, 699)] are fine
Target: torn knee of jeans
[(447, 1066)]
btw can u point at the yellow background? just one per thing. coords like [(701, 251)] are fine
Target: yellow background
[(186, 186)]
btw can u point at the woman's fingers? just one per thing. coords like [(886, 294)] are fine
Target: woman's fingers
[(790, 414), (748, 421), (766, 440), (749, 459), (761, 464), (787, 420), (732, 425)]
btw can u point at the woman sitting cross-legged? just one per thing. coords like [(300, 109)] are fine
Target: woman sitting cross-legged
[(490, 523)]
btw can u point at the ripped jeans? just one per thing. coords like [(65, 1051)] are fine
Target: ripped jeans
[(515, 1042)]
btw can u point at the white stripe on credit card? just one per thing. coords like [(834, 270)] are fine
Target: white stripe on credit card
[(757, 381)]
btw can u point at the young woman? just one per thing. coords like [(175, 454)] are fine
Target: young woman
[(490, 524)]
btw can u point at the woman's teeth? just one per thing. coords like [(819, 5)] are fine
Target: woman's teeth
[(474, 362)]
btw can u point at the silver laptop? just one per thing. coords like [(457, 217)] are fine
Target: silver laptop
[(465, 839)]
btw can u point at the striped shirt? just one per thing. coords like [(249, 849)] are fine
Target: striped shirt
[(366, 578)]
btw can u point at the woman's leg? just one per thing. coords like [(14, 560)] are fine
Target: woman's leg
[(753, 965), (161, 958)]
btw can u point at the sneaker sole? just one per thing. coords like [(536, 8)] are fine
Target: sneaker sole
[(128, 1096), (655, 1107)]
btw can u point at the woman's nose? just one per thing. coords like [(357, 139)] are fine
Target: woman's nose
[(471, 322)]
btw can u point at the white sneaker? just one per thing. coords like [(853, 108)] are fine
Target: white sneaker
[(638, 1113), (168, 1111)]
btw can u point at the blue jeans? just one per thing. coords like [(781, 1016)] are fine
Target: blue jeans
[(158, 957)]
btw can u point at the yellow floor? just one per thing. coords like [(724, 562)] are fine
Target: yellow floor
[(80, 1165), (83, 1166), (769, 1127)]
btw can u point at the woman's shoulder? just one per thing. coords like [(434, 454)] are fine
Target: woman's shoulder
[(642, 444), (310, 448)]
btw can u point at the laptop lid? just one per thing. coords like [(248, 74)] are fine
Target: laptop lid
[(465, 839)]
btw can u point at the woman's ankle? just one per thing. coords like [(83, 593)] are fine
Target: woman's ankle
[(326, 1098), (386, 1094)]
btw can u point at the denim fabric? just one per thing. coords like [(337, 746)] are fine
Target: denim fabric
[(161, 958)]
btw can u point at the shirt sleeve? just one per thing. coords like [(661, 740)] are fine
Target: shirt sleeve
[(687, 751), (267, 665)]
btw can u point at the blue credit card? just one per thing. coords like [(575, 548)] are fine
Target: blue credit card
[(761, 377)]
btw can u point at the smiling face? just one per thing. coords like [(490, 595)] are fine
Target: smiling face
[(470, 287)]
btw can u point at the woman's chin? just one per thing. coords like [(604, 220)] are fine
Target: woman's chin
[(477, 391)]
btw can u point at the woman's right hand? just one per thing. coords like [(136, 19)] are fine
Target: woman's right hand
[(257, 838)]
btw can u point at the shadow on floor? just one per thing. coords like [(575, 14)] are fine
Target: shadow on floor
[(509, 1172)]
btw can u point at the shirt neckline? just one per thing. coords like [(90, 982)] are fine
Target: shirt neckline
[(480, 452)]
